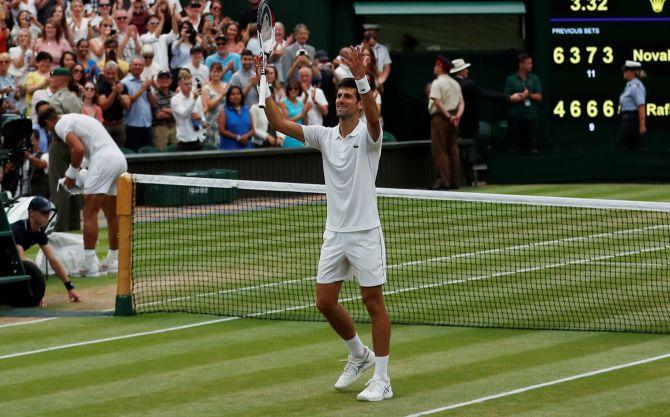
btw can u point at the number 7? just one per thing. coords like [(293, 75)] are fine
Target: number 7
[(592, 51)]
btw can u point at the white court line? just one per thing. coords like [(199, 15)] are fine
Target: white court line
[(27, 322), (110, 339), (302, 307), (541, 385), (414, 263)]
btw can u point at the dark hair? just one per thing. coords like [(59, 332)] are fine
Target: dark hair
[(66, 53), (191, 31), (229, 93), (41, 103), (47, 114), (43, 55), (294, 83), (522, 57), (349, 83), (217, 65), (246, 52)]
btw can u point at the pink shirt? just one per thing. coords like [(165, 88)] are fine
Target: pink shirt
[(54, 49)]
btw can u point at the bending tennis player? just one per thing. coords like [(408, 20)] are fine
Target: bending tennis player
[(85, 136), (353, 243)]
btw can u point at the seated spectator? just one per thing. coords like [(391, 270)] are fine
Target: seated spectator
[(26, 20), (91, 71), (278, 50), (21, 54), (185, 114), (251, 39), (90, 106), (67, 60), (247, 79), (110, 55), (165, 132), (233, 35), (230, 62), (295, 110), (52, 41), (235, 125), (8, 84), (313, 96), (77, 80), (113, 99), (213, 95)]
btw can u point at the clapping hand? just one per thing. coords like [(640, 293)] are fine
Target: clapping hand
[(353, 58)]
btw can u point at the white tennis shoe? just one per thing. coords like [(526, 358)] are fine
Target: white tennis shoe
[(355, 368), (90, 267), (110, 265), (378, 389)]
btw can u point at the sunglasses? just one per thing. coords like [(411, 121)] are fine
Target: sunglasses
[(77, 70), (216, 8), (104, 4), (108, 25), (121, 17), (220, 44), (89, 88)]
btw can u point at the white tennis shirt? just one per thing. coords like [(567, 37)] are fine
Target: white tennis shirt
[(350, 169), (92, 133)]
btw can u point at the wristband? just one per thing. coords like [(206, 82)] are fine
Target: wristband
[(68, 285), (238, 138), (363, 85), (71, 172)]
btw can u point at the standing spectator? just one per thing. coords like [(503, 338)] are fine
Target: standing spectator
[(294, 109), (235, 124), (275, 86), (184, 113), (78, 80), (21, 54), (234, 42), (199, 71), (158, 40), (252, 42), (301, 36), (193, 13), (111, 47), (314, 96), (230, 62), (127, 36), (139, 15), (58, 17), (90, 106), (98, 43), (327, 84), (45, 10), (446, 108), (151, 68), (371, 38), (91, 71), (53, 42), (138, 115), (472, 92), (38, 163), (68, 59), (181, 48), (26, 21), (64, 101), (251, 14), (523, 112), (77, 24), (165, 133), (213, 94), (38, 79), (632, 101), (278, 50), (246, 78), (169, 11), (113, 99), (104, 12), (220, 20), (8, 84)]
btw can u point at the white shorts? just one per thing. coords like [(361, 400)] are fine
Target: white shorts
[(345, 254), (105, 168)]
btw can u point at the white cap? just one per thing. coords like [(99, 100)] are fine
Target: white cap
[(459, 65), (632, 65)]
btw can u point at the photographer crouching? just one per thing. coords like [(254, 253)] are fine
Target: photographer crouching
[(30, 231)]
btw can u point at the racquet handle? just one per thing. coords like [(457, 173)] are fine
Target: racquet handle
[(261, 91)]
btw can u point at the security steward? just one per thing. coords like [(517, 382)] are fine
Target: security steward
[(30, 231), (633, 107)]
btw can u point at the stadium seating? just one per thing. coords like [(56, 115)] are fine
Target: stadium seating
[(127, 151), (149, 149)]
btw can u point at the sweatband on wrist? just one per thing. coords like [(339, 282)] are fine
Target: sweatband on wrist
[(68, 285), (71, 172), (363, 85)]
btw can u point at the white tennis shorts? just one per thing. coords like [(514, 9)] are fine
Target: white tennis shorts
[(106, 167), (345, 254)]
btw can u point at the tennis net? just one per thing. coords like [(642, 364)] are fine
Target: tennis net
[(251, 249)]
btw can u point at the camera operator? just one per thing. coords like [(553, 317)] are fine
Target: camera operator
[(36, 167), (30, 231)]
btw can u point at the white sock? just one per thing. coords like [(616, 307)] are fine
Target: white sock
[(113, 253), (381, 366), (89, 253), (356, 348)]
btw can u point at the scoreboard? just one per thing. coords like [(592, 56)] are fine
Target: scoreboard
[(589, 41)]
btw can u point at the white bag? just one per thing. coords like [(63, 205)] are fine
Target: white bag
[(69, 249)]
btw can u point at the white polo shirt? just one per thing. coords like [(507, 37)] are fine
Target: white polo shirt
[(350, 169), (92, 133)]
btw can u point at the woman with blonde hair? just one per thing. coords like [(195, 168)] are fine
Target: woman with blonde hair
[(97, 44), (234, 38)]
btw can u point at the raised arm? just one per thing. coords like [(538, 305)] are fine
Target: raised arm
[(275, 117), (357, 63)]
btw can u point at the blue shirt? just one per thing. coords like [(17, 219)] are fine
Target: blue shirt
[(238, 123), (215, 57), (139, 113), (634, 95)]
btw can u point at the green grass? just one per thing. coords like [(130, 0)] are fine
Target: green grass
[(284, 368)]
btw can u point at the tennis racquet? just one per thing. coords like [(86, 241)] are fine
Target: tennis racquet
[(266, 38)]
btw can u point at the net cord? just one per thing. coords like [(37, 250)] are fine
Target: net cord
[(407, 193)]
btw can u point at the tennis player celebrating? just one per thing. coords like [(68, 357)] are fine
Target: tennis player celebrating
[(353, 241), (86, 136)]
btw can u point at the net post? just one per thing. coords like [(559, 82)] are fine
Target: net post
[(124, 209)]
